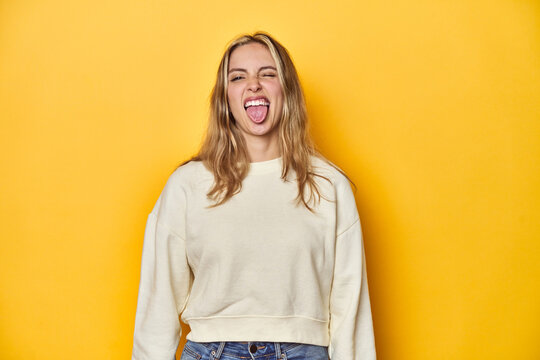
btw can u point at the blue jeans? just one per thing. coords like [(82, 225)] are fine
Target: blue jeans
[(253, 350)]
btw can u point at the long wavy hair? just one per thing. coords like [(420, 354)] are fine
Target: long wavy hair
[(224, 151)]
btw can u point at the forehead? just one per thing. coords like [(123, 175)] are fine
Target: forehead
[(252, 55)]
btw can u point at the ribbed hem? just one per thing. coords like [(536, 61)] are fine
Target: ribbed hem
[(274, 329), (263, 167)]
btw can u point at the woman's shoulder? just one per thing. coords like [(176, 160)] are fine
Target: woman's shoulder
[(342, 192), (187, 173), (323, 166)]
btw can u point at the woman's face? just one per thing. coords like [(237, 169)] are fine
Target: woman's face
[(254, 92)]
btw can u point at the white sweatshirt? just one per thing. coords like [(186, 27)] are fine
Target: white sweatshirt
[(256, 268)]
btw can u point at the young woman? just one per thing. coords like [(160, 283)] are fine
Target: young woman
[(256, 241)]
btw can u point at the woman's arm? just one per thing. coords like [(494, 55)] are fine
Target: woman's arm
[(351, 327), (166, 279)]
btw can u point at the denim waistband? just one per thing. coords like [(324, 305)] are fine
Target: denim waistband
[(246, 349)]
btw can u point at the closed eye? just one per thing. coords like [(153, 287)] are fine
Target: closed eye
[(236, 78)]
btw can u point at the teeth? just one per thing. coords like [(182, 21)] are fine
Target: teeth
[(256, 103)]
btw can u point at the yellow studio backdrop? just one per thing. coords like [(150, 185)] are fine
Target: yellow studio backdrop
[(432, 107)]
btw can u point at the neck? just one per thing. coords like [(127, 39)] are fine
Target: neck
[(262, 148)]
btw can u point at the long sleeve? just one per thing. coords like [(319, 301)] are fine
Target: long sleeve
[(351, 327), (165, 280)]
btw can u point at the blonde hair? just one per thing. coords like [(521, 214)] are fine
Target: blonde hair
[(224, 151)]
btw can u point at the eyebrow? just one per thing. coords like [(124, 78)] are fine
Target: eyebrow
[(244, 70)]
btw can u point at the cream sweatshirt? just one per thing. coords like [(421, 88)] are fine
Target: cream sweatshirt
[(257, 268)]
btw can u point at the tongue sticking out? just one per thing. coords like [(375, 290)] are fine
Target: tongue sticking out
[(257, 113)]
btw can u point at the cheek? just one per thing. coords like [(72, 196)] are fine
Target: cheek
[(280, 102), (233, 97), (234, 101), (229, 96), (277, 92), (279, 97)]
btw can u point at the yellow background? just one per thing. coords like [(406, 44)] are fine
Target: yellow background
[(432, 107)]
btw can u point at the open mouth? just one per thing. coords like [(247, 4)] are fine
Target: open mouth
[(257, 109)]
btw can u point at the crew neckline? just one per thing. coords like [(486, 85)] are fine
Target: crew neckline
[(266, 166)]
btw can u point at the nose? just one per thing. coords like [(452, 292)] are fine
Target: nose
[(254, 84)]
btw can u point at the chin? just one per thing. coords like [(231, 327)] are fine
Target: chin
[(261, 130)]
